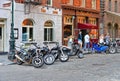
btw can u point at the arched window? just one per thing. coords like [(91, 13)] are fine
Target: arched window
[(27, 30), (48, 31), (115, 30), (110, 29)]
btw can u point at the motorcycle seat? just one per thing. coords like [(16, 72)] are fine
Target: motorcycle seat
[(67, 47)]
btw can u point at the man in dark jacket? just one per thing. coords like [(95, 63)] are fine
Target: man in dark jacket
[(80, 39)]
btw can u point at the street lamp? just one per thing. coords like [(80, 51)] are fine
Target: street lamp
[(11, 54)]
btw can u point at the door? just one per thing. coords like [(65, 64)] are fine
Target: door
[(1, 38)]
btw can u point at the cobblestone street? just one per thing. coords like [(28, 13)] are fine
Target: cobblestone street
[(93, 67)]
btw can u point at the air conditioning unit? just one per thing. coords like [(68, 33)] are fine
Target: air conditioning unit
[(27, 1)]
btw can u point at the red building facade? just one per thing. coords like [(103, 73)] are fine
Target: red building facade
[(80, 14)]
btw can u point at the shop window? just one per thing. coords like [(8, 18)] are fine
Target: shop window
[(94, 33), (48, 31), (67, 31)]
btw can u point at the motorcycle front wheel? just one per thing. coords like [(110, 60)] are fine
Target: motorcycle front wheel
[(80, 54), (63, 57), (49, 59), (37, 62), (112, 50)]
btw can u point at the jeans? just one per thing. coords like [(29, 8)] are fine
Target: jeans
[(86, 45)]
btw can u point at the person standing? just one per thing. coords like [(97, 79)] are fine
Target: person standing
[(107, 39), (70, 41), (86, 42), (101, 39), (80, 39)]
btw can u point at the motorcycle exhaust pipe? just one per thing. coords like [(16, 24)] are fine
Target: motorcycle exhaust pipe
[(19, 58)]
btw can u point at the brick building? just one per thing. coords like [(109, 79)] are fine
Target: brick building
[(80, 14), (112, 18)]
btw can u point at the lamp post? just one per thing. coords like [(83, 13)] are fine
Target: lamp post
[(12, 40)]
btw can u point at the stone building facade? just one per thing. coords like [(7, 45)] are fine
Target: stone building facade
[(32, 21), (112, 18)]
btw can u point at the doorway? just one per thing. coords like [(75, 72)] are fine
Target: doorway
[(84, 31), (1, 39)]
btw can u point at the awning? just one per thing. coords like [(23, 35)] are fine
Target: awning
[(86, 26)]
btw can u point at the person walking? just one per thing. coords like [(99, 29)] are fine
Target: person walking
[(80, 39), (86, 42)]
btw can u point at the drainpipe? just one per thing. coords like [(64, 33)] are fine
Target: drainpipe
[(102, 7)]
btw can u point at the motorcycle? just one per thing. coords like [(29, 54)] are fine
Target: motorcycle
[(74, 50), (118, 45), (112, 47), (99, 48), (48, 58), (30, 56), (58, 52)]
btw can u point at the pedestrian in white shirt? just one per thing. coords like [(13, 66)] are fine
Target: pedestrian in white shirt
[(86, 42)]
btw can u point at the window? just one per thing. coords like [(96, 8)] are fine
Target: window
[(67, 31), (68, 19), (49, 2), (81, 20), (109, 8), (27, 30), (83, 3), (70, 2), (0, 32), (48, 31), (115, 6), (93, 21), (93, 4), (116, 32)]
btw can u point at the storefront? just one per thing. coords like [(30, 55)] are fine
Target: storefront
[(92, 30), (75, 18)]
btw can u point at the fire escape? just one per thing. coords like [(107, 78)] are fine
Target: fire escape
[(28, 3)]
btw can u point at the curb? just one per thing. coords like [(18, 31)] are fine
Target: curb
[(3, 64), (3, 53)]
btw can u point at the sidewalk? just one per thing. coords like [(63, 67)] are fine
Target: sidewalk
[(4, 60)]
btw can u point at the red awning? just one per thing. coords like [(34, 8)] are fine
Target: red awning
[(86, 26)]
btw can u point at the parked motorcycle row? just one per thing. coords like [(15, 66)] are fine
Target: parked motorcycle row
[(37, 56)]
